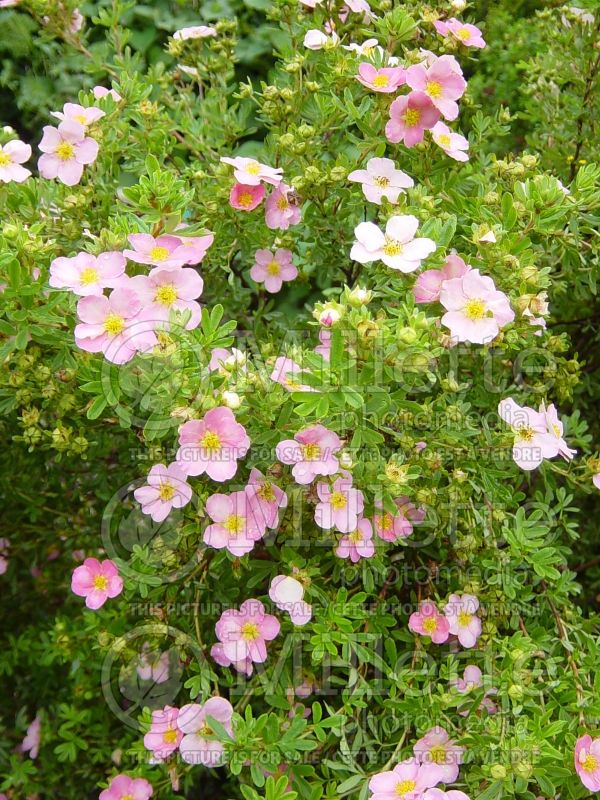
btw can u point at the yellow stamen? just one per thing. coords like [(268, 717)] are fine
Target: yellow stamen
[(464, 619), (245, 199), (405, 787), (273, 268), (434, 89), (4, 159), (88, 275), (159, 253), (211, 441), (429, 624), (65, 151), (81, 118), (382, 181), (525, 434), (166, 491), (464, 34), (392, 247), (311, 452), (166, 295), (253, 168), (444, 140), (266, 492), (412, 117), (381, 81), (234, 524), (355, 537), (170, 736), (437, 754), (101, 582), (589, 763), (338, 501), (282, 203), (114, 324), (475, 309), (250, 631)]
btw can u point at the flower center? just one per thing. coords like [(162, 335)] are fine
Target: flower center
[(387, 522), (355, 537), (234, 524), (211, 441), (4, 159), (589, 763), (464, 34), (166, 295), (101, 582), (266, 492), (250, 631), (475, 309), (557, 431), (404, 787), (127, 797), (170, 736), (114, 324), (65, 151), (429, 624), (382, 181), (381, 80), (437, 754), (444, 140), (464, 619), (392, 247), (338, 501), (311, 452), (434, 89), (525, 434), (282, 203), (273, 268), (159, 253), (253, 168), (412, 117), (88, 275), (245, 199), (166, 492), (204, 730), (81, 118)]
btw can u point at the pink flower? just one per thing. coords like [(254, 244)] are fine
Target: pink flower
[(280, 210), (587, 762), (31, 742), (4, 546), (453, 144), (340, 505), (384, 79), (476, 310), (218, 654), (101, 91), (265, 498), (96, 581), (153, 666), (451, 794), (166, 488), (66, 150), (212, 444), (76, 113), (428, 621), (410, 116), (235, 525), (428, 285), (245, 197), (358, 543), (193, 248), (160, 251), (227, 361), (382, 179), (532, 440), (466, 34), (441, 754), (112, 325), (76, 22), (397, 247), (164, 737), (407, 781), (165, 290), (122, 787), (285, 372), (461, 613), (315, 39), (244, 633), (399, 526), (596, 480), (555, 428), (287, 594), (85, 274), (12, 155), (324, 348), (251, 172), (312, 452), (473, 679), (200, 744), (440, 82), (195, 32), (273, 269)]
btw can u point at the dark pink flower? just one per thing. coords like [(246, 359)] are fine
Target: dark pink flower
[(410, 116), (96, 581)]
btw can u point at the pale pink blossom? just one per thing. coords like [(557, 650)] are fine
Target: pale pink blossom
[(76, 113), (475, 309), (312, 452), (587, 762), (453, 144), (357, 543), (66, 150), (466, 34), (596, 480), (428, 621), (287, 594), (461, 613), (360, 7), (193, 248), (85, 274), (390, 527), (473, 679), (251, 172), (265, 498), (212, 445), (428, 285), (195, 32), (153, 666), (12, 155), (244, 197), (156, 251), (227, 361), (244, 633), (381, 179), (382, 79), (324, 347), (244, 666), (281, 209), (397, 247), (166, 488), (164, 737), (556, 429), (166, 289), (4, 547), (451, 794), (113, 326), (410, 116), (96, 581), (489, 237), (32, 740), (440, 753), (272, 269), (122, 787), (315, 39), (407, 781), (236, 526), (200, 745), (100, 92), (340, 505), (77, 20), (440, 82), (286, 372), (533, 442)]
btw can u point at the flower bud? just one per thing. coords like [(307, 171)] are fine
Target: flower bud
[(498, 772), (232, 400), (358, 296)]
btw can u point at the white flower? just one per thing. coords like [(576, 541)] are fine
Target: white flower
[(382, 179), (397, 247)]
